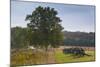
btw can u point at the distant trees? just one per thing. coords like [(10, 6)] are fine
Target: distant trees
[(79, 39), (18, 37), (79, 42), (23, 37), (45, 27)]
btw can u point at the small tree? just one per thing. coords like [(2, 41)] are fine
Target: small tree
[(45, 27)]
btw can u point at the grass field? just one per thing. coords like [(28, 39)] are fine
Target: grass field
[(33, 58), (68, 58)]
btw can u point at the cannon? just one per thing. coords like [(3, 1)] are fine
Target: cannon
[(75, 51)]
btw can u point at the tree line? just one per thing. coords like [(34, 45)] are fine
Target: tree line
[(79, 39), (21, 37)]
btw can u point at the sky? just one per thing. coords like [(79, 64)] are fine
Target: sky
[(74, 17)]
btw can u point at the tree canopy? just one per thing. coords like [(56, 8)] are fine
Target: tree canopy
[(45, 26)]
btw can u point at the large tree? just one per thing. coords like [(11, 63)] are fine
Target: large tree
[(45, 27)]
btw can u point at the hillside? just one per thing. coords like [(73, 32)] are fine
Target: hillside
[(79, 38)]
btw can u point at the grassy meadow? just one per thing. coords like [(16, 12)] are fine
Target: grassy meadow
[(63, 58), (30, 57)]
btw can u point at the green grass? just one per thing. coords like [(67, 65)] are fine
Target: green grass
[(33, 58), (68, 58)]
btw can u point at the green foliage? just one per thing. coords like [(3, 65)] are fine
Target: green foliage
[(80, 42), (18, 37), (23, 37), (79, 39), (45, 27)]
